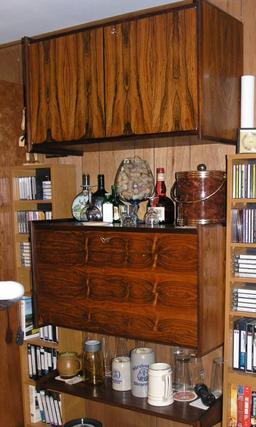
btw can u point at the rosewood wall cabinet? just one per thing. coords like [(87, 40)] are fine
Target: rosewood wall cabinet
[(160, 285), (240, 317), (172, 71)]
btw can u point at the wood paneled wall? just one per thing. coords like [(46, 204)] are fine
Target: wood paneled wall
[(105, 158), (11, 104)]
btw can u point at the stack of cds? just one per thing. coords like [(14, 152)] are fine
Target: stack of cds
[(25, 254), (47, 190)]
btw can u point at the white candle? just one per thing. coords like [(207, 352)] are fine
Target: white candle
[(247, 101)]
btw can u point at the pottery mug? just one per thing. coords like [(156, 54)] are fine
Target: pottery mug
[(68, 364), (160, 384), (121, 373), (141, 359)]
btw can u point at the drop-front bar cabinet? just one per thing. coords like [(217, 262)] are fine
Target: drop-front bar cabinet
[(164, 284)]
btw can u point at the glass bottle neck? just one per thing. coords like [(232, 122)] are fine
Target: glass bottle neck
[(160, 188), (101, 182)]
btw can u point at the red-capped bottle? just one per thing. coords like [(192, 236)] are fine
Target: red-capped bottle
[(164, 204)]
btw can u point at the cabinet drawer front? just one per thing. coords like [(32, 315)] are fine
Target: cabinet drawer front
[(122, 304), (120, 250), (59, 247), (153, 251)]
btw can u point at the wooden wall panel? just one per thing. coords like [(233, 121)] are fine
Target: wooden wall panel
[(10, 155)]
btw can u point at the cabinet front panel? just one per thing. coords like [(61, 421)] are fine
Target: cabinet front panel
[(76, 86), (59, 248), (38, 85), (156, 252), (151, 74), (65, 87), (129, 284), (154, 308)]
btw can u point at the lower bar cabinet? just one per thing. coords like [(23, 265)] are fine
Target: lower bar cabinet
[(163, 285)]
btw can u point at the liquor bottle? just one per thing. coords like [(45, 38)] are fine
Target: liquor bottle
[(118, 205), (80, 202), (164, 204), (99, 195), (107, 208)]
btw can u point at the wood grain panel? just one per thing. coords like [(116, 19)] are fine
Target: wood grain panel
[(221, 41), (38, 77), (151, 70), (10, 154), (76, 86)]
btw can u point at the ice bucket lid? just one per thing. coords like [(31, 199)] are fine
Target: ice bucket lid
[(201, 173)]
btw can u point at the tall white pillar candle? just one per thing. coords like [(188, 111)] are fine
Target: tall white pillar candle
[(247, 101)]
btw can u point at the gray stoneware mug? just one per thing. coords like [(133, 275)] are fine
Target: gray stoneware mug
[(141, 359)]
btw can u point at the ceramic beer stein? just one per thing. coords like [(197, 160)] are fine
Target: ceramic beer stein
[(141, 359)]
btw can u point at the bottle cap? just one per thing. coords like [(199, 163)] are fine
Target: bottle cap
[(92, 346), (159, 170)]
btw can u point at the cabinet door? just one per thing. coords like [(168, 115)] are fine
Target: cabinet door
[(37, 81), (151, 74), (65, 87)]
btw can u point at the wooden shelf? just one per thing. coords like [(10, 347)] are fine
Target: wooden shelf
[(179, 411), (238, 377)]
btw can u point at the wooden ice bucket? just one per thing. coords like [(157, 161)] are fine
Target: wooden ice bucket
[(200, 197)]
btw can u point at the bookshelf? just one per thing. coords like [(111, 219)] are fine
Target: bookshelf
[(240, 285), (30, 201)]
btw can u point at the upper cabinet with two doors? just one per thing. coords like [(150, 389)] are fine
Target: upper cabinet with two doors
[(173, 70)]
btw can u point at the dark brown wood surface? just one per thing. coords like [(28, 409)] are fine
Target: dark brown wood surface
[(172, 72), (151, 74), (177, 411), (221, 44), (65, 87), (132, 284)]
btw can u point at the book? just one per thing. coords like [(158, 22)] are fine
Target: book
[(249, 345), (242, 342), (41, 408), (240, 406), (26, 318), (232, 422), (247, 406), (236, 344), (35, 415)]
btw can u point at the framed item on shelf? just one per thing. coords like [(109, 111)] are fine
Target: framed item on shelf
[(246, 140)]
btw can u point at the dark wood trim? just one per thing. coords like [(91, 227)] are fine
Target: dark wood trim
[(115, 19), (178, 411)]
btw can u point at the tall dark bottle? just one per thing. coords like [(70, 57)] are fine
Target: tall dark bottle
[(164, 204), (99, 195)]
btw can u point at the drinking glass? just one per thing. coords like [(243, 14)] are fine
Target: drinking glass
[(217, 377)]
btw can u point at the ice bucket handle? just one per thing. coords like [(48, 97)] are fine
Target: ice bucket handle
[(175, 199)]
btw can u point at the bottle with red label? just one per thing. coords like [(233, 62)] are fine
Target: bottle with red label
[(161, 202)]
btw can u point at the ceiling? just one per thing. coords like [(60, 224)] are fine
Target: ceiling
[(20, 18)]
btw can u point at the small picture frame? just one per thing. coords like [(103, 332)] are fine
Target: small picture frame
[(246, 140)]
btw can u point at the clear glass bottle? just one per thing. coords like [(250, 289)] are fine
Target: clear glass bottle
[(80, 202), (164, 204), (99, 195), (93, 365)]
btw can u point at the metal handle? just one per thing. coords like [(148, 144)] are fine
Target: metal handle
[(174, 198), (105, 239)]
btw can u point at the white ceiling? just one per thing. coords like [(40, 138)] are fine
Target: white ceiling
[(20, 18)]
